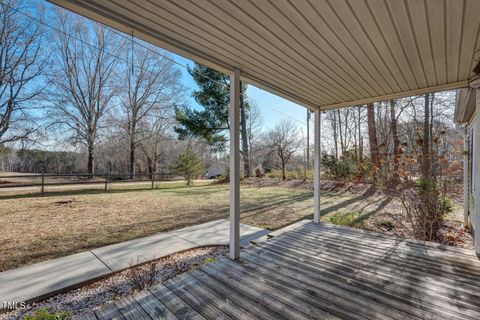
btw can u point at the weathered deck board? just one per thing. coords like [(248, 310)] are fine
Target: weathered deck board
[(273, 300), (86, 316), (108, 312), (391, 298), (130, 309), (178, 307), (384, 284), (184, 287), (319, 272), (152, 306), (387, 260), (233, 297)]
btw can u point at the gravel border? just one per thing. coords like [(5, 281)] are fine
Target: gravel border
[(84, 299)]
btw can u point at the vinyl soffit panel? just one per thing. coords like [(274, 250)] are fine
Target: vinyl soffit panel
[(317, 53)]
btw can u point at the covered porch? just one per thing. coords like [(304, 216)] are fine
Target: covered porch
[(318, 271), (321, 55)]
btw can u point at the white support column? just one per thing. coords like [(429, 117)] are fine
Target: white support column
[(234, 112), (316, 168), (476, 167), (465, 180)]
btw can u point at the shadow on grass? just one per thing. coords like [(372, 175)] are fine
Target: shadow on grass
[(265, 205), (357, 218)]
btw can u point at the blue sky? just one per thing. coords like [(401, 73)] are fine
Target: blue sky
[(272, 107)]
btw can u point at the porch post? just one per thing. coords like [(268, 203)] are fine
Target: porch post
[(316, 168), (466, 223), (476, 165), (234, 112)]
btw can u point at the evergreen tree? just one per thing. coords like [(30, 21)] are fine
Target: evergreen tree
[(189, 165), (212, 123)]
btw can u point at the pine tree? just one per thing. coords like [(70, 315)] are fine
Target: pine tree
[(189, 165), (212, 122)]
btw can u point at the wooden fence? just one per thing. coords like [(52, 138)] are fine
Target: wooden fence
[(83, 179)]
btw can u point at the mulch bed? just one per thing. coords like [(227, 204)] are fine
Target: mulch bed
[(124, 283)]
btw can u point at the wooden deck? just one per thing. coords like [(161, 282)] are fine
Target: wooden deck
[(319, 272)]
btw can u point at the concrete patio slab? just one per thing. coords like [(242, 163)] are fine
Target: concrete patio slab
[(125, 254), (39, 281), (218, 232)]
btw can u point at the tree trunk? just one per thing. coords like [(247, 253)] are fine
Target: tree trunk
[(335, 134), (90, 167), (307, 158), (433, 163), (284, 170), (426, 156), (340, 132), (360, 138), (243, 115), (132, 158), (396, 141), (372, 135), (132, 130)]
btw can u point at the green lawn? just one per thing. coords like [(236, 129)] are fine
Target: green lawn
[(38, 228)]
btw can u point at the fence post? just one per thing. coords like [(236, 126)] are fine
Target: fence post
[(106, 182), (43, 183)]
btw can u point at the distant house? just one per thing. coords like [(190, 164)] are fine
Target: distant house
[(467, 112), (216, 170)]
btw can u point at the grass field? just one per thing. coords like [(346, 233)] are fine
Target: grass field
[(37, 228)]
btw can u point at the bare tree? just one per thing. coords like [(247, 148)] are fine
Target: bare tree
[(360, 137), (396, 140), (154, 135), (284, 140), (244, 134), (152, 84), (372, 135), (21, 67), (427, 136), (83, 83), (254, 127)]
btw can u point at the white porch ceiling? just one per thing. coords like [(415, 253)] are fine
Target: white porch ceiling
[(318, 53)]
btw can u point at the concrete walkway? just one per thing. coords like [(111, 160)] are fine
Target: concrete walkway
[(39, 281)]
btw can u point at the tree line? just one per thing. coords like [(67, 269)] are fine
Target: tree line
[(115, 104), (79, 86)]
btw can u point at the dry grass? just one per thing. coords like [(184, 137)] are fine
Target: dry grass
[(63, 222)]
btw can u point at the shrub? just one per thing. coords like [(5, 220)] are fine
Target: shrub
[(297, 174), (277, 174), (425, 208), (189, 165), (350, 220), (45, 314), (259, 171), (143, 276), (385, 224), (344, 168), (209, 260), (447, 204)]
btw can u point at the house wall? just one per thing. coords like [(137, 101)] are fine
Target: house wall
[(467, 110), (473, 183), (475, 195)]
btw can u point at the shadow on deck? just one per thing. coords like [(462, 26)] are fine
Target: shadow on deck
[(320, 272)]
